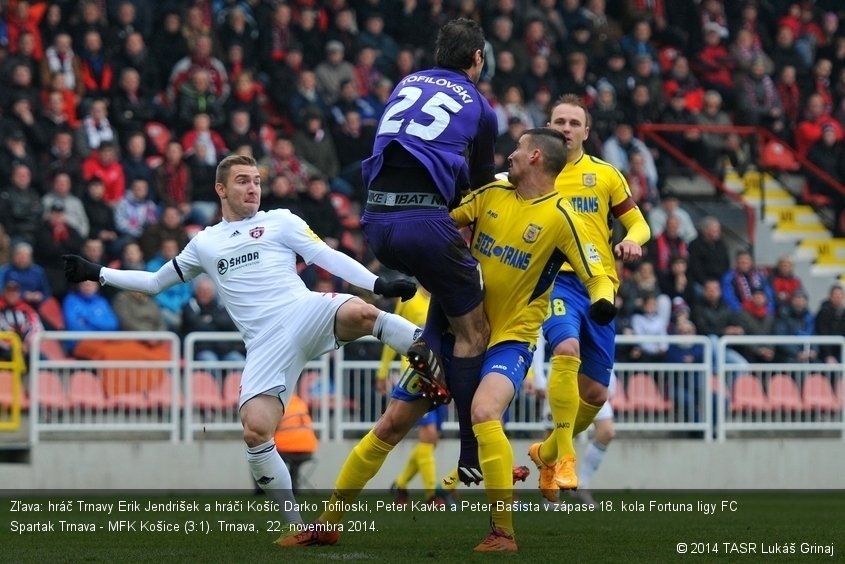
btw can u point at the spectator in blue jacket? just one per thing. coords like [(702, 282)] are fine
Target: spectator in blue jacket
[(85, 309)]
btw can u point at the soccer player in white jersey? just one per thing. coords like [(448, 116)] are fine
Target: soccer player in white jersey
[(251, 256)]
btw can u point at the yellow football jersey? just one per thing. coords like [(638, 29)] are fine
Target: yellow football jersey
[(595, 189), (521, 245), (414, 310)]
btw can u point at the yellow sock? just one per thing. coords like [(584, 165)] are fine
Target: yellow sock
[(411, 466), (450, 481), (563, 401), (495, 456), (586, 413), (427, 467), (360, 466)]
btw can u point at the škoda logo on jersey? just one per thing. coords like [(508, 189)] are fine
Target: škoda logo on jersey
[(256, 232)]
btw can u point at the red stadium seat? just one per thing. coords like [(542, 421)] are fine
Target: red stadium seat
[(817, 394), (784, 394), (644, 395), (206, 392), (85, 391), (748, 395), (132, 401), (51, 392), (232, 389), (161, 397), (619, 401), (6, 396)]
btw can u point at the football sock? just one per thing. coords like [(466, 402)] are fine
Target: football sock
[(586, 413), (427, 467), (563, 401), (395, 331), (463, 376), (360, 466), (496, 458), (409, 471), (591, 461), (272, 475), (450, 481)]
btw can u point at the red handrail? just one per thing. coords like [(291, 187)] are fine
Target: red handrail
[(652, 130)]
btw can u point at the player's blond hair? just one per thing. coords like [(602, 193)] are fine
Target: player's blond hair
[(575, 100), (222, 174)]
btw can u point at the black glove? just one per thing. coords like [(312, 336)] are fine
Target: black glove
[(603, 312), (400, 288), (77, 269)]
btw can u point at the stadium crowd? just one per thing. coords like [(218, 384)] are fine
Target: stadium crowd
[(115, 114)]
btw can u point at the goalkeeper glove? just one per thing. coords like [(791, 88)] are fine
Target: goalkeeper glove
[(77, 269), (602, 312), (400, 288)]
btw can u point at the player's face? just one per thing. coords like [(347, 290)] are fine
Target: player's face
[(518, 161), (571, 121), (241, 195)]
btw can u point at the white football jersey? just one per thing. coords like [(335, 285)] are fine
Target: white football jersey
[(253, 264)]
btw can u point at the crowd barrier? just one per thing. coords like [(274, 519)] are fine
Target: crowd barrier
[(150, 385)]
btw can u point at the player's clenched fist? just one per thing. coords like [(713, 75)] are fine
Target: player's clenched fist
[(77, 269)]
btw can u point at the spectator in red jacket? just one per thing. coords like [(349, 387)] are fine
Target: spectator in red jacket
[(809, 131), (103, 164)]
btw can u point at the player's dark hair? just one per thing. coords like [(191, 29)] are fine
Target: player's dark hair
[(222, 175), (457, 42), (575, 100), (552, 144)]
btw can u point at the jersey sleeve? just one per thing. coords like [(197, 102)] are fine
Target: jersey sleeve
[(623, 206), (467, 211), (583, 255), (187, 262), (298, 236), (482, 158)]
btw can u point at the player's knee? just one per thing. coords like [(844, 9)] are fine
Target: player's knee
[(428, 434), (605, 433), (594, 394), (255, 436), (568, 347), (482, 412)]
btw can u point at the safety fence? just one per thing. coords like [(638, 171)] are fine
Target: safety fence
[(152, 386)]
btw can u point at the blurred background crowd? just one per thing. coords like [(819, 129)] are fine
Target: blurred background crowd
[(115, 113)]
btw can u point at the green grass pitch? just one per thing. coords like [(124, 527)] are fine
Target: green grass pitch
[(652, 527)]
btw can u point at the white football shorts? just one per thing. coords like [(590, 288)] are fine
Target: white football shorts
[(304, 333)]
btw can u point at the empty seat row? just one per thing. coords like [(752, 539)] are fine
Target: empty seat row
[(85, 391), (783, 394)]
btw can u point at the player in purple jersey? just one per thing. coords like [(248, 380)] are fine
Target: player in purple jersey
[(436, 139)]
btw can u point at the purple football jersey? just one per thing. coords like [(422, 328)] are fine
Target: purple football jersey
[(440, 118)]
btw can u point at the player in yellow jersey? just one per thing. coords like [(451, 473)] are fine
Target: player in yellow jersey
[(421, 459), (522, 234), (582, 351)]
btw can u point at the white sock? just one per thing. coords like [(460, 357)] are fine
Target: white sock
[(589, 463), (395, 331), (272, 475)]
